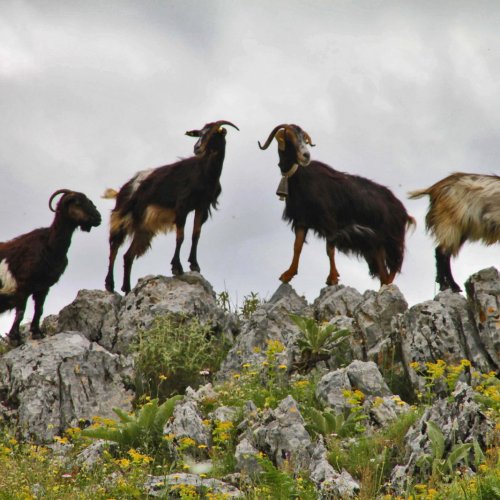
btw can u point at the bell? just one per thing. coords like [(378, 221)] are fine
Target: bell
[(282, 190)]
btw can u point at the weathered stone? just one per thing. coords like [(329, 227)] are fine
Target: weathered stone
[(284, 438), (160, 486), (271, 321), (54, 382), (384, 410), (188, 422), (374, 317), (189, 294), (361, 375), (246, 458), (329, 482), (460, 420), (95, 314), (335, 301), (483, 291)]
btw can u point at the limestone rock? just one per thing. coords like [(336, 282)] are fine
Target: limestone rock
[(54, 382)]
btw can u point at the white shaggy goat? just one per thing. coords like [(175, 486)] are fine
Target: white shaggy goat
[(462, 207)]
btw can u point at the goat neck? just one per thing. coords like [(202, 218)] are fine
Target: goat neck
[(60, 234)]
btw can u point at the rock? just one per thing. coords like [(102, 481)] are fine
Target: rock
[(271, 321), (91, 456), (374, 317), (187, 422), (283, 438), (384, 410), (224, 414), (189, 294), (442, 328), (94, 313), (246, 458), (335, 301), (460, 420), (54, 382), (329, 482), (361, 375), (162, 486), (483, 291)]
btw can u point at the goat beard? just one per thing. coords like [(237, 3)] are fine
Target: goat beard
[(86, 227)]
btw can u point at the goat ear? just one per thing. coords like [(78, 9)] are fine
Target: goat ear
[(194, 133)]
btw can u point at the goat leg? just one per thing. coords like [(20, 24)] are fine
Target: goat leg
[(14, 334), (138, 247), (39, 298), (199, 218), (333, 277), (300, 238), (176, 261), (115, 242), (443, 271)]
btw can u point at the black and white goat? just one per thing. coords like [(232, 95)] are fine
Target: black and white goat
[(353, 214), (30, 264), (160, 199), (462, 207)]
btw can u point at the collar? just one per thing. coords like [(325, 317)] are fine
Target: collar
[(282, 191)]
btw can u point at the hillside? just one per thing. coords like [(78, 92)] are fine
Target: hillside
[(351, 396)]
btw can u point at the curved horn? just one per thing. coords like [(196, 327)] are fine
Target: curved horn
[(225, 122), (271, 136), (308, 139), (59, 191)]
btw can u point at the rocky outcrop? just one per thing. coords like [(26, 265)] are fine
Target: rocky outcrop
[(50, 384)]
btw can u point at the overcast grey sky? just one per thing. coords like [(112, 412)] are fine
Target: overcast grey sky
[(403, 93)]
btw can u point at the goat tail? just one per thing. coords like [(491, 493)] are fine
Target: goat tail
[(110, 194), (413, 195)]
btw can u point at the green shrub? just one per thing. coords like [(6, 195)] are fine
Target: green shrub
[(143, 431), (176, 352)]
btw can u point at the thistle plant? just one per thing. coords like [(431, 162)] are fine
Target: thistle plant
[(317, 341)]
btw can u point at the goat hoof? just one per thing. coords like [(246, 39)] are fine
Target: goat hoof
[(195, 267), (286, 277), (37, 335), (14, 341), (177, 271), (332, 281)]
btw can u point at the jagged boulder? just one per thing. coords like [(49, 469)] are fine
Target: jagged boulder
[(459, 419), (113, 321), (483, 291), (49, 385), (271, 321), (337, 300)]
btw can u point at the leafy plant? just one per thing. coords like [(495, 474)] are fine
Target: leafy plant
[(143, 430), (317, 341), (441, 465), (341, 425), (175, 352)]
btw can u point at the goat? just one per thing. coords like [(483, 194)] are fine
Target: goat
[(462, 207), (157, 200), (353, 214), (31, 263)]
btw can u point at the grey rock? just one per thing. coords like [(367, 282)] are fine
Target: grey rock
[(94, 313), (246, 458), (483, 291), (329, 482), (384, 410), (160, 486), (189, 294), (374, 317), (283, 436), (224, 414), (361, 375), (271, 321), (366, 377), (188, 422), (54, 382), (335, 301), (92, 455), (459, 418)]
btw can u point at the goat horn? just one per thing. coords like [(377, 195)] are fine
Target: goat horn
[(59, 191), (271, 136), (225, 122), (308, 139)]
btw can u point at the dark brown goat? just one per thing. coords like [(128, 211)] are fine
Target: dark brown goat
[(462, 207), (354, 215), (30, 264), (160, 199)]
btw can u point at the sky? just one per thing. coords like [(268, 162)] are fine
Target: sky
[(403, 93)]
